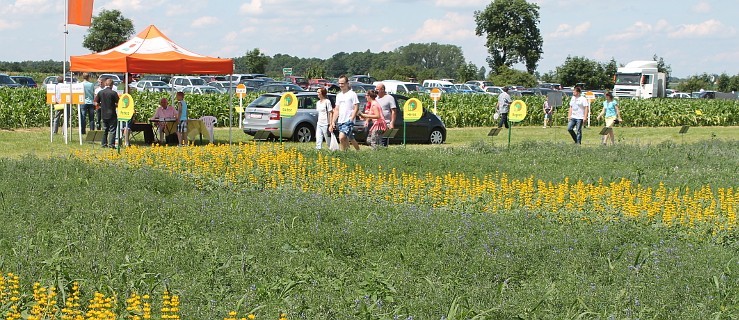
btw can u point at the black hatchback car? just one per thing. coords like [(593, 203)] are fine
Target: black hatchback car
[(24, 81), (6, 81), (428, 129)]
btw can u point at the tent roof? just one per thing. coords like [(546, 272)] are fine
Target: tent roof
[(151, 52)]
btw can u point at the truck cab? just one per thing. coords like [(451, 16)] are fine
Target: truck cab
[(639, 80)]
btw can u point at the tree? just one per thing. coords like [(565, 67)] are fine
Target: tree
[(509, 76), (723, 83), (107, 30), (662, 67), (481, 74), (583, 70), (253, 62), (466, 72), (442, 60), (512, 31), (695, 83)]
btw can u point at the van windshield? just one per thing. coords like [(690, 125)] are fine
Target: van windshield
[(412, 86)]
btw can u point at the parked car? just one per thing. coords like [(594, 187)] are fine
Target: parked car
[(363, 79), (360, 87), (200, 89), (300, 81), (255, 83), (280, 87), (400, 87), (179, 82), (156, 77), (681, 95), (264, 114), (223, 86), (8, 82), (52, 80), (482, 84), (152, 85), (494, 90), (428, 129), (25, 81)]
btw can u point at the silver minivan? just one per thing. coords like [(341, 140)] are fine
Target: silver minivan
[(263, 114)]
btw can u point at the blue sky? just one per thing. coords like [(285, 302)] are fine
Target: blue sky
[(693, 36)]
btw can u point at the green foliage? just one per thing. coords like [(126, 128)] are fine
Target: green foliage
[(317, 257), (26, 108), (695, 83), (467, 72), (30, 67), (662, 66), (512, 32), (592, 73), (509, 76), (108, 29), (253, 62)]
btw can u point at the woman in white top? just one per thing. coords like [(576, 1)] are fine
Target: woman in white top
[(324, 109)]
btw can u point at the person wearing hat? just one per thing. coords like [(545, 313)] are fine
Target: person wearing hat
[(504, 103), (164, 112)]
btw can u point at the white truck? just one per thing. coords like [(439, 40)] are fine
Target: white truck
[(640, 80)]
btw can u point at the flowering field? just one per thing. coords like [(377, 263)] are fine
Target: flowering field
[(270, 231)]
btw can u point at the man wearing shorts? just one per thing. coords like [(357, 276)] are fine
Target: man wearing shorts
[(347, 104), (181, 106)]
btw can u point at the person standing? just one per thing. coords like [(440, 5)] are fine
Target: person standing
[(347, 107), (504, 103), (612, 114), (98, 117), (88, 108), (579, 108), (379, 126), (182, 118), (108, 101), (325, 110), (389, 109), (548, 110)]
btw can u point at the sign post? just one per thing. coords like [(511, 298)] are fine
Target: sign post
[(435, 95), (590, 96), (287, 71), (241, 93), (125, 113), (288, 107), (516, 113), (412, 111)]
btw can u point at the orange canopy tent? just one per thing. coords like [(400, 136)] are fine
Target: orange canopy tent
[(151, 52)]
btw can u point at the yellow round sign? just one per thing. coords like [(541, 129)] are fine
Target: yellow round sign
[(241, 90), (412, 110), (125, 107), (288, 105), (435, 94), (517, 111)]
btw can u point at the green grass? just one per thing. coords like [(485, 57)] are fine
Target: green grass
[(320, 257)]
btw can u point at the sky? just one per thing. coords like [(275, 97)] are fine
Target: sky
[(693, 36)]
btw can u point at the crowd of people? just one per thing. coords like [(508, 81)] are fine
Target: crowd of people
[(100, 112)]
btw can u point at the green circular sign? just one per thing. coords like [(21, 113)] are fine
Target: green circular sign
[(517, 111), (125, 107), (412, 110), (288, 105)]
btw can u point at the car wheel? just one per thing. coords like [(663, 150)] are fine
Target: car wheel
[(303, 134), (436, 136)]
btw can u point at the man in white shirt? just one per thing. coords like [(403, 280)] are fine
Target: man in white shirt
[(504, 104), (579, 108), (347, 106)]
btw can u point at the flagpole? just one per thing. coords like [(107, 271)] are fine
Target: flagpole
[(64, 70)]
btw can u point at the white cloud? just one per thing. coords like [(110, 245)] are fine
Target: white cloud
[(204, 21), (126, 4), (566, 31), (387, 30), (350, 32), (253, 7), (231, 36), (637, 30), (462, 3), (449, 28), (710, 28), (702, 7), (308, 30), (28, 7), (7, 25)]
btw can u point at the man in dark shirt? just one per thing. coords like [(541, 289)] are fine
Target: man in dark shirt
[(108, 101)]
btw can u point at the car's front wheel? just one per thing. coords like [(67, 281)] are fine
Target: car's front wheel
[(436, 136), (303, 134)]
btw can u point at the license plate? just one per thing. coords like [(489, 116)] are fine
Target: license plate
[(255, 116)]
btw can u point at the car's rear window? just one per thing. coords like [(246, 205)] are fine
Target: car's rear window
[(265, 101)]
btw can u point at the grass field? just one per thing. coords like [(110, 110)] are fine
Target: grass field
[(266, 230)]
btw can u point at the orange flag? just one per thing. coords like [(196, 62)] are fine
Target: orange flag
[(80, 12)]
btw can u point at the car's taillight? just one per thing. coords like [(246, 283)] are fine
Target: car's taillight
[(274, 115)]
